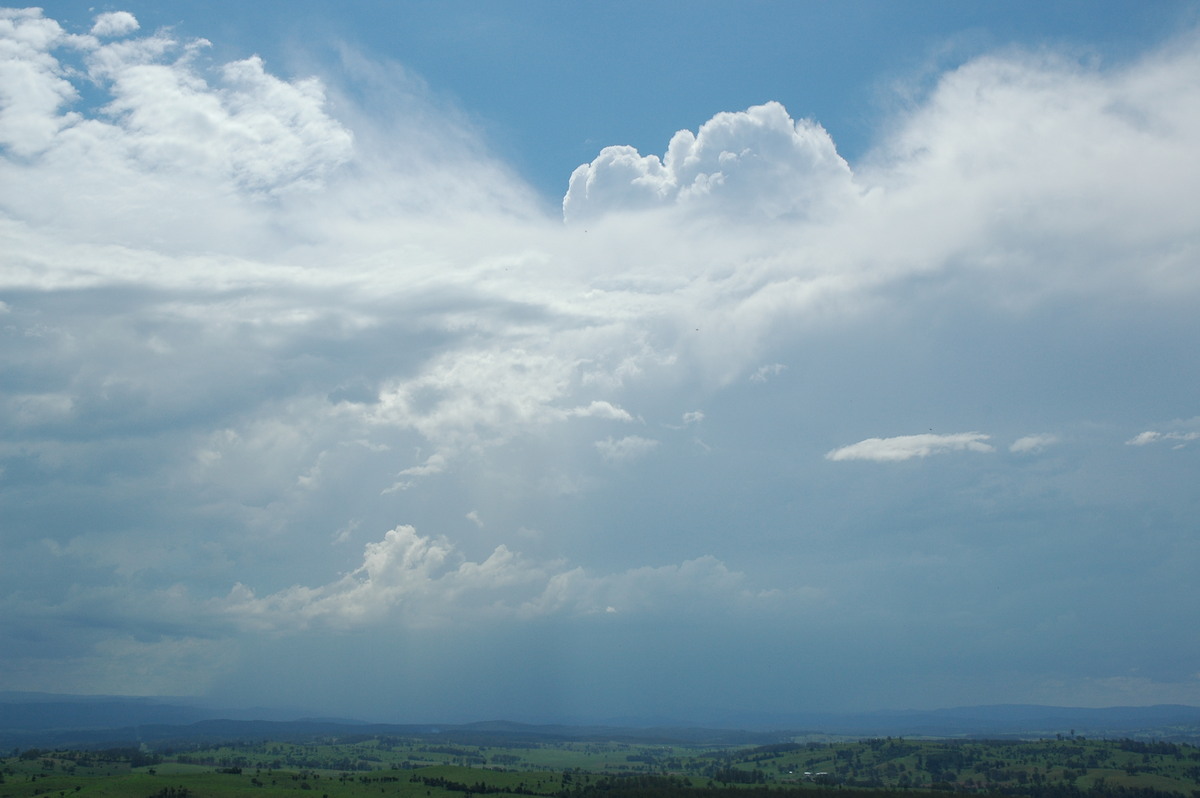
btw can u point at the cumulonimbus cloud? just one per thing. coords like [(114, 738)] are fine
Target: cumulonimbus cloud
[(906, 447), (228, 305)]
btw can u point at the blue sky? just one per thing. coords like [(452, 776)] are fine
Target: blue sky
[(438, 361)]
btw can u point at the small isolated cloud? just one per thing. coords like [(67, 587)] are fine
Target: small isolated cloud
[(763, 373), (630, 447), (905, 447), (343, 535), (1031, 444), (116, 23), (1151, 436), (693, 417), (474, 518), (604, 410), (434, 464)]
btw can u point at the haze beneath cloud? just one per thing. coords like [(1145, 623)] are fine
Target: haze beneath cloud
[(309, 400)]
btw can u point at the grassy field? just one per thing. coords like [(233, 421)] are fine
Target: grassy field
[(432, 768)]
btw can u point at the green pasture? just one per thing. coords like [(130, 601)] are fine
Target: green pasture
[(429, 767)]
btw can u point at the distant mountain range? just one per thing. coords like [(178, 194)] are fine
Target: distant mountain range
[(48, 720)]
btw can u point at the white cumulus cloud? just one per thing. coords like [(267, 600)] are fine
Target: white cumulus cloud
[(758, 162), (115, 23), (602, 409)]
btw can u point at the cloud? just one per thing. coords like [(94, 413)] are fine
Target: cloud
[(1152, 436), (757, 162), (236, 303), (425, 582), (251, 129), (905, 447), (631, 447), (766, 371), (184, 148), (1031, 444), (114, 23), (1184, 433), (344, 534), (33, 87), (601, 409), (434, 464)]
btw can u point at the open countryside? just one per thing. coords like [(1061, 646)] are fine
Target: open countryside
[(428, 767)]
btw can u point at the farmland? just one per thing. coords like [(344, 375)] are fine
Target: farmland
[(429, 766)]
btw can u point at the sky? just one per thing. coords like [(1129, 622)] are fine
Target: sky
[(707, 363)]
